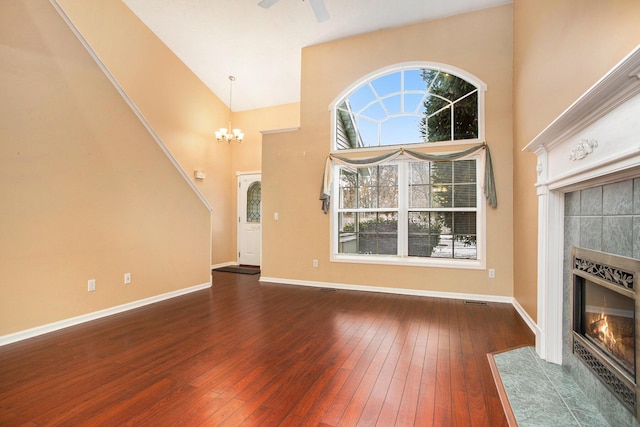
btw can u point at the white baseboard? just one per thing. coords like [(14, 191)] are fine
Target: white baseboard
[(224, 264), (527, 319), (40, 330), (400, 291)]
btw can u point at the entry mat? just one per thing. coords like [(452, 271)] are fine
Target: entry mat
[(539, 393), (241, 270)]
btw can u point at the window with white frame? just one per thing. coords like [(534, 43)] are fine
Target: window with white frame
[(409, 211), (409, 105)]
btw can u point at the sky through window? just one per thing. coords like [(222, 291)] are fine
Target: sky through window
[(408, 106)]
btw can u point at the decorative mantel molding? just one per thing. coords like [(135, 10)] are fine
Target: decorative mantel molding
[(583, 149)]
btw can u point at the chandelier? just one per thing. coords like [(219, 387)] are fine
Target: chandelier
[(228, 134)]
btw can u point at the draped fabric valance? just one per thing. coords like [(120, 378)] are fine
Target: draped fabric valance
[(487, 183)]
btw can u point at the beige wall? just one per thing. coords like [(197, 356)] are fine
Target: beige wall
[(247, 156), (292, 165), (182, 111), (561, 48), (86, 192)]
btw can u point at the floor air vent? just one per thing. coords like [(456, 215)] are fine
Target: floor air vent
[(327, 290), (476, 303)]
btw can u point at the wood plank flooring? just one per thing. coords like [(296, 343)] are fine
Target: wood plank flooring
[(246, 354)]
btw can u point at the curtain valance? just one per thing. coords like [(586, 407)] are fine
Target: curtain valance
[(487, 183)]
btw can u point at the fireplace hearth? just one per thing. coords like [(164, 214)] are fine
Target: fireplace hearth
[(605, 326)]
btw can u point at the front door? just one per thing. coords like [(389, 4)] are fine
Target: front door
[(249, 219)]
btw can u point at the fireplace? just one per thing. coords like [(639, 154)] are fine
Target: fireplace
[(606, 319), (604, 326), (589, 154)]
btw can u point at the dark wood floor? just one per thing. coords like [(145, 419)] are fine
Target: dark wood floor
[(242, 353)]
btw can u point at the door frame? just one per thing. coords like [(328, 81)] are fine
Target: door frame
[(240, 175)]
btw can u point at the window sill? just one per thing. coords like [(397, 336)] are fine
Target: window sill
[(466, 264)]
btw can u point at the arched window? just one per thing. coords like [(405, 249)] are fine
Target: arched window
[(410, 104), (408, 210)]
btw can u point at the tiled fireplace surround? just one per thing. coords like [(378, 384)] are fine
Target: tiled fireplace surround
[(605, 218), (588, 188)]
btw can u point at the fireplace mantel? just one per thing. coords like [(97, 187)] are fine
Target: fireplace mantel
[(595, 141)]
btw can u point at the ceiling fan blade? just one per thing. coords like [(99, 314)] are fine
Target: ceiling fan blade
[(319, 9), (267, 3)]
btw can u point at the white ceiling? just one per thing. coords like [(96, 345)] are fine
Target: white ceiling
[(262, 47)]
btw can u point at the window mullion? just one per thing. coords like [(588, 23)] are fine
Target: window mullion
[(403, 216), (453, 123)]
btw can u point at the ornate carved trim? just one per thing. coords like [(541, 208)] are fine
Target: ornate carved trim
[(605, 272), (583, 149)]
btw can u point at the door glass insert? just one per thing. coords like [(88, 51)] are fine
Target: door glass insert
[(253, 202)]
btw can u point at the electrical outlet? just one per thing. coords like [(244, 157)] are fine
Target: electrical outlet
[(492, 273), (127, 278), (315, 263), (91, 285)]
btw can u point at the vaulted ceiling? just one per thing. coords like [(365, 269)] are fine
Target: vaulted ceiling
[(261, 47)]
